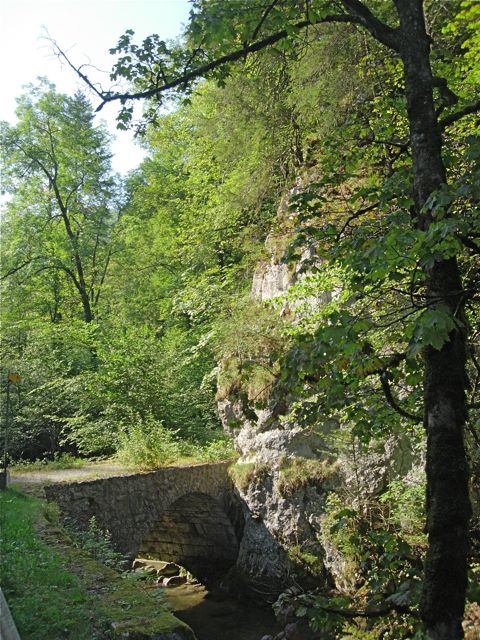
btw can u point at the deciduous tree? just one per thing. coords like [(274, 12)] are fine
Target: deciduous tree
[(220, 34), (64, 200)]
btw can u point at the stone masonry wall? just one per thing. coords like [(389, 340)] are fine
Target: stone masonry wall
[(195, 532), (130, 506)]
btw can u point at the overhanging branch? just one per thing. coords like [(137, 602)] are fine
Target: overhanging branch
[(454, 117), (355, 13), (21, 266), (469, 243), (379, 30)]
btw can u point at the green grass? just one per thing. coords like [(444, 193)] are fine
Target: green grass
[(47, 602), (63, 461), (296, 473), (59, 592), (244, 474)]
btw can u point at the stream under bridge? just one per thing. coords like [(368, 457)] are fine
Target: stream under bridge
[(187, 515)]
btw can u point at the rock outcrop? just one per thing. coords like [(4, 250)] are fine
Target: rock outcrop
[(283, 530)]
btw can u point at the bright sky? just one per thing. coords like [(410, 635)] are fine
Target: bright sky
[(86, 29)]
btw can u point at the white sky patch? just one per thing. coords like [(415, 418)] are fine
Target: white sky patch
[(86, 29)]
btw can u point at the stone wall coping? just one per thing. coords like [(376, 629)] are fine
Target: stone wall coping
[(141, 473), (8, 630)]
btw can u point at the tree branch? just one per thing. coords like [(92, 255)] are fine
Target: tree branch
[(454, 117), (263, 18), (387, 391), (61, 54), (69, 273), (448, 97), (354, 216), (357, 13), (379, 30), (470, 244), (14, 270)]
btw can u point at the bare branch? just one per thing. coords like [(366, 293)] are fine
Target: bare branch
[(454, 117), (78, 70)]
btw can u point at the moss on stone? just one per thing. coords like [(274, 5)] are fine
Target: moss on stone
[(122, 605), (129, 610), (244, 474), (296, 473)]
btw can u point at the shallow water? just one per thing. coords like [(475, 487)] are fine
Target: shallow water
[(217, 616)]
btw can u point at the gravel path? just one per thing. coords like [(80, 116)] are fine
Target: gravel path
[(89, 472)]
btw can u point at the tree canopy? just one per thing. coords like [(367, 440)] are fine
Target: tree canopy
[(366, 113)]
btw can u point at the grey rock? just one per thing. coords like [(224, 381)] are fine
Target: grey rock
[(169, 569), (271, 280), (174, 581), (368, 470), (275, 522)]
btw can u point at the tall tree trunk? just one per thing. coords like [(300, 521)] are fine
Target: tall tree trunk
[(447, 505), (79, 278)]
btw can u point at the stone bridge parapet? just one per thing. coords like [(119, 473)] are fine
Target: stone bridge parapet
[(183, 513)]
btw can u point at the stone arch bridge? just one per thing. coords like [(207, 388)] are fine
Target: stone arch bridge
[(188, 515)]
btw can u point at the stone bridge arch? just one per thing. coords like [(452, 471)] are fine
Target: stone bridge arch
[(182, 514), (194, 532)]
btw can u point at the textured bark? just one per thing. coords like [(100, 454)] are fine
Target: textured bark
[(448, 506)]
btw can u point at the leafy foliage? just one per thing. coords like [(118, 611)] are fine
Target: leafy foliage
[(98, 543), (129, 319)]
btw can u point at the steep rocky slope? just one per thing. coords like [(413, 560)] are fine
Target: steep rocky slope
[(286, 471)]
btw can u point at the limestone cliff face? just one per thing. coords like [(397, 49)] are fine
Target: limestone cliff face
[(284, 524)]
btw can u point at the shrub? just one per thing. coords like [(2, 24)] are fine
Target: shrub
[(148, 444), (98, 543)]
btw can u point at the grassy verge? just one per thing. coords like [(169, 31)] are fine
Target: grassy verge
[(46, 600), (244, 474), (296, 473), (58, 592)]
